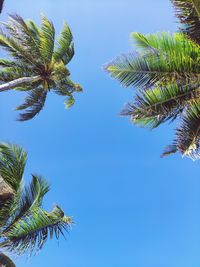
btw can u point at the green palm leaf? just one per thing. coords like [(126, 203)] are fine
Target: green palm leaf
[(65, 48), (166, 71), (25, 226), (47, 36), (155, 106), (12, 164), (33, 231), (36, 63), (170, 59), (28, 200)]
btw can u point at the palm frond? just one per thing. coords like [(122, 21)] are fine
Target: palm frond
[(35, 192), (33, 104), (188, 12), (172, 45), (12, 164), (171, 149), (9, 74), (160, 104), (33, 231), (65, 48), (33, 29), (17, 50), (66, 87), (188, 134), (11, 64), (147, 69), (47, 38), (26, 201)]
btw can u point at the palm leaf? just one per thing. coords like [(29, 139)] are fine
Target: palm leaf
[(17, 50), (33, 104), (171, 149), (12, 164), (132, 70), (188, 135), (24, 34), (157, 105), (173, 45), (160, 62), (66, 87), (65, 48), (28, 199), (188, 12), (33, 231), (47, 38)]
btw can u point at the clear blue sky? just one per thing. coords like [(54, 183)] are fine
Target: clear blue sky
[(131, 208)]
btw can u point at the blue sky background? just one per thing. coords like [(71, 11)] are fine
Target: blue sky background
[(131, 208)]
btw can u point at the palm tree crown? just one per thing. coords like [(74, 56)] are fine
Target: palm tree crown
[(37, 63), (24, 225), (166, 71)]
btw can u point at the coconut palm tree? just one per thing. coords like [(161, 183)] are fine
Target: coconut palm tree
[(165, 70), (1, 5), (37, 63), (24, 225)]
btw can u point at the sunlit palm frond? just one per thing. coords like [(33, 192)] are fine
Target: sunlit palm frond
[(8, 74), (188, 12), (24, 35), (11, 64), (145, 71), (17, 51), (65, 48), (47, 38), (33, 30), (174, 46)]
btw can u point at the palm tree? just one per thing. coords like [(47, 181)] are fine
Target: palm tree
[(37, 63), (24, 225), (1, 5), (165, 70)]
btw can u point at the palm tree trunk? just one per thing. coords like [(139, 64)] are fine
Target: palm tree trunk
[(196, 4), (6, 193), (17, 82), (5, 261), (1, 5)]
